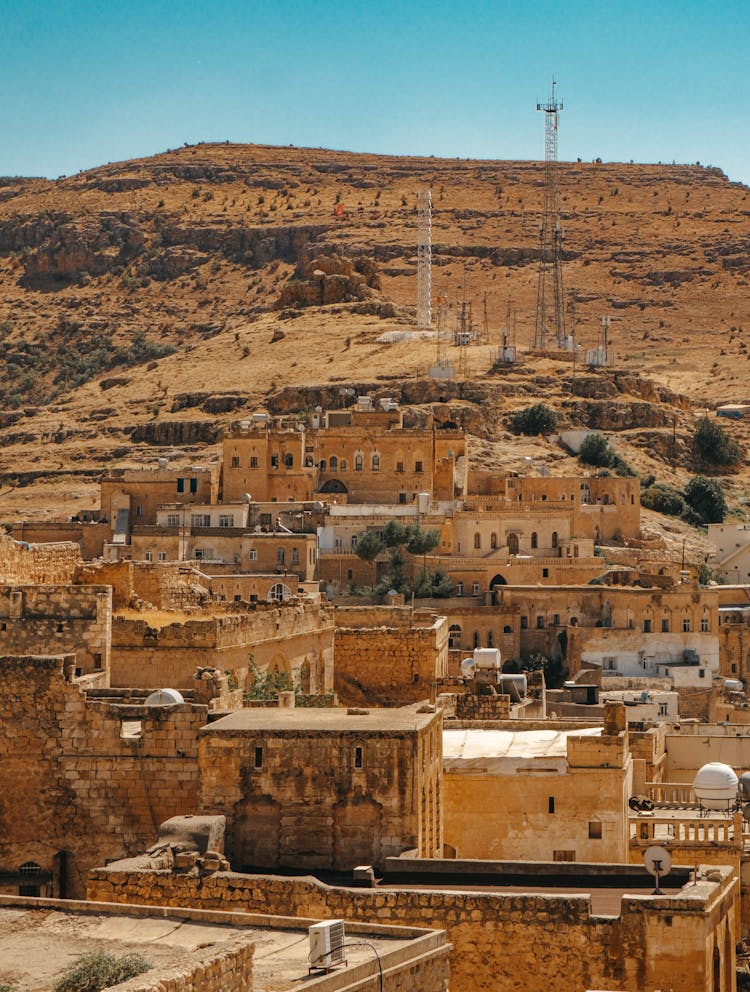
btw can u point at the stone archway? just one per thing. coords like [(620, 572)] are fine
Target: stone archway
[(499, 580), (333, 486)]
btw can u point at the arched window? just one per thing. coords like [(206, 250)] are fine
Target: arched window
[(322, 465), (342, 466), (554, 538), (507, 629), (534, 542), (376, 463), (359, 463), (280, 556), (288, 461), (513, 544), (334, 463), (279, 592), (308, 461), (490, 639), (493, 540), (475, 639), (454, 636), (477, 540)]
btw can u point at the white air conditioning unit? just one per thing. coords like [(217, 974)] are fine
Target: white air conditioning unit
[(326, 944)]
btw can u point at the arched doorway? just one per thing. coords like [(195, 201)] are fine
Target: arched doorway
[(279, 592), (513, 544), (499, 580), (333, 486)]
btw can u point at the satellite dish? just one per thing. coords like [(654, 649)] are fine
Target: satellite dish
[(658, 863), (164, 697)]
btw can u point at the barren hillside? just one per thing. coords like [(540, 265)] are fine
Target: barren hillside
[(146, 303)]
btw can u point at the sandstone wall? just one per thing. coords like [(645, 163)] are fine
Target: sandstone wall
[(84, 782), (390, 666), (56, 619), (500, 941), (470, 706), (26, 564)]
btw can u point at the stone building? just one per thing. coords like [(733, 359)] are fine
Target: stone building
[(538, 794), (324, 789)]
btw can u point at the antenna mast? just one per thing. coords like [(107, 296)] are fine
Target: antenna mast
[(550, 238), (424, 260)]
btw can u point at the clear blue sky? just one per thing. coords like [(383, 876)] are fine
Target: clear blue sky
[(95, 81)]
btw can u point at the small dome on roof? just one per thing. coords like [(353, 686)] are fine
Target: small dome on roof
[(164, 697)]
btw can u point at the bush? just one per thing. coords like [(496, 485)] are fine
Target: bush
[(712, 445), (664, 499), (706, 498), (595, 450), (98, 970), (536, 419)]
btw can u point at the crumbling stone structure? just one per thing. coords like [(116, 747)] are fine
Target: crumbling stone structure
[(24, 564)]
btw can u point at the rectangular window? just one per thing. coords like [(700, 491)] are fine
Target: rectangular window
[(475, 589), (665, 626), (551, 804), (524, 623), (595, 829), (252, 554), (162, 556), (274, 461), (349, 574), (235, 461), (193, 485), (295, 556), (259, 757), (200, 519), (180, 485), (704, 625), (459, 588), (609, 664), (646, 626), (399, 466), (556, 619), (686, 626), (563, 855), (149, 556), (357, 757), (545, 573), (173, 520), (702, 673), (139, 510), (540, 623), (662, 709), (418, 467), (253, 461), (265, 519), (402, 497), (226, 520)]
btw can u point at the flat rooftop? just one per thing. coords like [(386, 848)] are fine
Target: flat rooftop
[(505, 751), (37, 944), (333, 720)]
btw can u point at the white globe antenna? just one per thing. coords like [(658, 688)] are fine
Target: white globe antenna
[(658, 863)]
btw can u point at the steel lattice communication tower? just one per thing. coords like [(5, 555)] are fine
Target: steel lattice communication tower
[(550, 307), (424, 261)]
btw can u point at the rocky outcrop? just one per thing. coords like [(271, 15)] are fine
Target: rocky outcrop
[(94, 245), (327, 279), (171, 432)]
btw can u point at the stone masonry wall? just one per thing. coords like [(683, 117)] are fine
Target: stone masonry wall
[(57, 619), (37, 563), (470, 706), (229, 970), (389, 666), (91, 779), (500, 941)]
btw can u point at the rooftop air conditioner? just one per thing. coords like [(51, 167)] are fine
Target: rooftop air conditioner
[(326, 944)]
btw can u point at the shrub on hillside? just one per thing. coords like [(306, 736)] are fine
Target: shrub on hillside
[(536, 419), (713, 447), (706, 498), (99, 970), (664, 499)]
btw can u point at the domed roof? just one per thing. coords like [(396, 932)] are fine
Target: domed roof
[(164, 697)]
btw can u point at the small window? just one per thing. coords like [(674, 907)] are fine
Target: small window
[(359, 463), (259, 757), (474, 588), (97, 662), (274, 461), (459, 588), (402, 498), (534, 539), (139, 510), (295, 556), (180, 485), (704, 625), (193, 485), (475, 639), (322, 465), (173, 520), (646, 626), (149, 556), (253, 461), (507, 629), (524, 623), (358, 757), (663, 709), (551, 804), (376, 463), (540, 622), (556, 619), (595, 829), (342, 466), (280, 556), (288, 461), (235, 461), (334, 463), (349, 574), (399, 466), (490, 639), (226, 520), (162, 556), (545, 573), (418, 467), (563, 855), (554, 536), (493, 541), (686, 625), (702, 673), (252, 554), (665, 626), (477, 541)]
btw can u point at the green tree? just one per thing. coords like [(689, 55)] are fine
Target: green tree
[(536, 419), (713, 447), (595, 450), (664, 499), (706, 498), (368, 546)]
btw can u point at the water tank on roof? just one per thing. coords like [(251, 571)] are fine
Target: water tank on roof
[(467, 668), (164, 697), (733, 685), (715, 785), (487, 658), (745, 784)]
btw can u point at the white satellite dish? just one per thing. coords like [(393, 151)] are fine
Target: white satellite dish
[(658, 863)]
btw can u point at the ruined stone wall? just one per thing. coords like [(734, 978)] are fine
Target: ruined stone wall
[(470, 706), (500, 940), (26, 564), (324, 800), (288, 637), (55, 619), (88, 535), (390, 666), (90, 779)]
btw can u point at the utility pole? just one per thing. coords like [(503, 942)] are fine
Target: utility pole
[(424, 260), (550, 306)]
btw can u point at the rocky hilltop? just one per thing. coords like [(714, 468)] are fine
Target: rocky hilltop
[(144, 304)]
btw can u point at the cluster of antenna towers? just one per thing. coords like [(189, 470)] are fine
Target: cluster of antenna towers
[(551, 322)]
